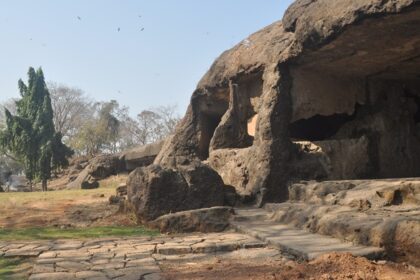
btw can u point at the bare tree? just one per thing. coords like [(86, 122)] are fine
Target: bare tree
[(156, 124), (169, 119), (71, 108), (148, 127)]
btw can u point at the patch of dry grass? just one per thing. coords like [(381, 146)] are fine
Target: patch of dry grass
[(77, 207), (74, 233), (16, 199)]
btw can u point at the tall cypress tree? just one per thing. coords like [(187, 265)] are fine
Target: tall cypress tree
[(30, 135)]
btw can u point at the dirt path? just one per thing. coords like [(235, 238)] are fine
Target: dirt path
[(327, 267)]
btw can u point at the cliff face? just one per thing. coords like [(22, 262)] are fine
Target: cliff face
[(330, 92)]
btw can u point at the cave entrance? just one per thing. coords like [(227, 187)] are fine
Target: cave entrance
[(375, 63), (208, 124), (318, 128), (211, 107), (416, 100), (228, 116)]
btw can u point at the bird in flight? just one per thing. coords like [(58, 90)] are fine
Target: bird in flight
[(119, 29), (142, 29), (139, 16), (79, 18)]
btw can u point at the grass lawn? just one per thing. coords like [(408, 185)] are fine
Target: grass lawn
[(74, 233)]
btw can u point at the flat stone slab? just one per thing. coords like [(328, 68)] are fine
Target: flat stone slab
[(299, 243)]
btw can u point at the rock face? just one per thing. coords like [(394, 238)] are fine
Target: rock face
[(155, 191), (141, 156), (96, 169), (214, 219), (85, 173), (330, 92), (101, 167)]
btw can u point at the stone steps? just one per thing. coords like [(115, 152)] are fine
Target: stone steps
[(301, 244)]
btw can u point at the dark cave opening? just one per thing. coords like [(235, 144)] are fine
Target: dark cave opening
[(318, 128), (208, 125), (416, 100)]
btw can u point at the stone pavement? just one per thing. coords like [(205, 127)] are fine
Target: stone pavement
[(302, 244), (120, 258), (142, 257)]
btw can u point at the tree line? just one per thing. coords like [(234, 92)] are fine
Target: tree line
[(51, 121)]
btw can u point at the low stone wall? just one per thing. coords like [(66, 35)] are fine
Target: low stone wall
[(381, 213)]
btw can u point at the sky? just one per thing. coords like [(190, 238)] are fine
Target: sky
[(142, 53)]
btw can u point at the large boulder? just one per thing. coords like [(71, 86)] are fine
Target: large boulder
[(98, 168), (103, 166), (82, 176), (141, 156), (86, 173), (155, 191), (89, 183), (76, 165)]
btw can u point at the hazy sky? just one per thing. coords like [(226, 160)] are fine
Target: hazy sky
[(160, 65)]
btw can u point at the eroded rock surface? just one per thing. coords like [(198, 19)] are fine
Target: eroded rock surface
[(97, 168), (155, 191), (214, 219), (141, 156), (330, 92), (85, 173), (103, 166), (381, 213)]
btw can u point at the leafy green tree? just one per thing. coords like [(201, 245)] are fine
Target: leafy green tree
[(30, 135)]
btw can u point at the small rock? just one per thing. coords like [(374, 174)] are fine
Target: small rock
[(121, 190), (113, 199)]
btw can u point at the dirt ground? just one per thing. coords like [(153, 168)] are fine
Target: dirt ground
[(326, 267), (63, 208)]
